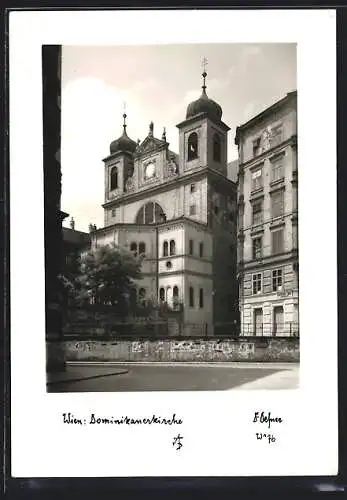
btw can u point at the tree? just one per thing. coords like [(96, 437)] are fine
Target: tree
[(107, 275)]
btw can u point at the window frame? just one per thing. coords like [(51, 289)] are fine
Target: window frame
[(261, 212), (254, 250), (191, 247), (276, 278), (276, 194), (165, 248), (192, 155), (191, 297), (272, 241), (256, 279), (217, 141), (201, 298), (192, 209), (254, 184)]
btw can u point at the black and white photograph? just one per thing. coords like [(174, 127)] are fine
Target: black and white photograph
[(175, 180), (179, 241)]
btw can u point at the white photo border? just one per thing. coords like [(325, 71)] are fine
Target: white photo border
[(218, 432)]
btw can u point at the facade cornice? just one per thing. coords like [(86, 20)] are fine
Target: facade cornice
[(160, 226), (200, 117), (267, 112), (253, 162), (177, 181), (268, 261)]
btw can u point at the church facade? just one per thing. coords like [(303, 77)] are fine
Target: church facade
[(179, 210)]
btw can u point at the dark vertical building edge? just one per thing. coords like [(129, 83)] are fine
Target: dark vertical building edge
[(53, 216)]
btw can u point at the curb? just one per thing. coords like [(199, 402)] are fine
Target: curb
[(119, 372)]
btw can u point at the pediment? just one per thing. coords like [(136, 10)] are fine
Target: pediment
[(150, 144)]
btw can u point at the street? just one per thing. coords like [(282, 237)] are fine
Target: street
[(127, 377)]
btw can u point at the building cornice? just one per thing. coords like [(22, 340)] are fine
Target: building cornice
[(177, 181), (257, 160), (202, 116), (268, 261), (268, 111), (160, 226)]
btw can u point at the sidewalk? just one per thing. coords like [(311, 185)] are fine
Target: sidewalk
[(83, 372), (220, 364), (283, 379)]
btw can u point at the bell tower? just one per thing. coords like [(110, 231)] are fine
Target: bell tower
[(203, 135), (119, 167)]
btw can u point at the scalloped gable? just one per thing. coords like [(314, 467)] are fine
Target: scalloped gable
[(150, 144)]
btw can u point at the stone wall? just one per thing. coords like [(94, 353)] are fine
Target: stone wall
[(217, 350)]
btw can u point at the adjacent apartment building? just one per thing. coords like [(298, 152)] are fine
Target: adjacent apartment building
[(268, 221)]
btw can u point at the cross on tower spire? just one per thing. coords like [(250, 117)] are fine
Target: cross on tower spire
[(204, 74), (124, 116)]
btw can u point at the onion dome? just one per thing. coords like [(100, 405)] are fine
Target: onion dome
[(204, 105), (123, 143)]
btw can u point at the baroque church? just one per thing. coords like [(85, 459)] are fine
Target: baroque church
[(180, 212)]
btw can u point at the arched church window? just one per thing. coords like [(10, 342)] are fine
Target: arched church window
[(192, 146), (133, 248), (165, 249), (162, 294), (114, 178), (175, 292), (172, 247), (142, 248), (151, 213), (216, 148), (191, 296)]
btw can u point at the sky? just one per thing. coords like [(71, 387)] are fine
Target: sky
[(156, 83)]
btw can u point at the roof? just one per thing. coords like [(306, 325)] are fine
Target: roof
[(75, 237), (232, 169), (264, 113)]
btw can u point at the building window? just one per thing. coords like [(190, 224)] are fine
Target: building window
[(191, 247), (192, 210), (192, 188), (257, 213), (114, 178), (165, 249), (256, 283), (277, 241), (216, 209), (276, 135), (191, 296), (113, 212), (150, 213), (278, 325), (162, 294), (257, 179), (277, 169), (133, 248), (192, 146), (256, 146), (201, 249), (216, 148), (172, 247), (175, 296), (277, 204), (277, 280), (258, 321), (201, 298), (169, 265), (142, 248), (257, 248)]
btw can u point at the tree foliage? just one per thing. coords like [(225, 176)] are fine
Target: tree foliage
[(107, 277)]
